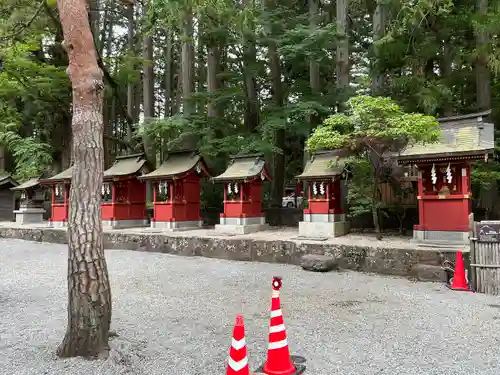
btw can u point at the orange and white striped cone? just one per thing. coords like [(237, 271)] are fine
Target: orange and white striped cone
[(278, 361), (238, 360)]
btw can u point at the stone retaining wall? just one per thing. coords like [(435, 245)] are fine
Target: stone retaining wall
[(389, 261)]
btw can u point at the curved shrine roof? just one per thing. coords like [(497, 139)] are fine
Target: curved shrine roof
[(63, 176), (462, 137), (178, 163), (31, 183), (245, 167), (323, 164), (125, 166)]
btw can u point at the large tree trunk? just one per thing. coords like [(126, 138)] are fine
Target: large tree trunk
[(148, 93), (483, 79), (187, 62), (342, 56), (488, 195), (213, 58), (168, 74), (446, 70), (201, 65), (314, 76), (378, 86), (252, 106), (379, 19), (278, 184), (187, 71), (89, 293), (131, 85)]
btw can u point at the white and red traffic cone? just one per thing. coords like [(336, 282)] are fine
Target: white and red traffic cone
[(278, 361), (238, 360)]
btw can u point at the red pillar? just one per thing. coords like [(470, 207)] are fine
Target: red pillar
[(420, 202)]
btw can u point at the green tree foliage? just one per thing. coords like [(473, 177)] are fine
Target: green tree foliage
[(371, 131)]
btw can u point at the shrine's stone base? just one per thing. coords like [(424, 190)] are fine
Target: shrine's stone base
[(58, 224), (29, 215), (323, 225), (176, 225), (315, 230), (241, 225), (324, 218), (119, 224), (441, 235)]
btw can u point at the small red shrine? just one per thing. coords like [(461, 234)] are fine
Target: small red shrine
[(324, 215), (243, 181), (59, 185), (177, 191), (123, 194), (444, 170)]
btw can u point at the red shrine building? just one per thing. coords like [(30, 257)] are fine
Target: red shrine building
[(177, 191), (444, 176), (324, 217), (123, 194), (59, 185), (243, 181)]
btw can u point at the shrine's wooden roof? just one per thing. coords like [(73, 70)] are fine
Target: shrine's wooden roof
[(323, 164), (125, 166), (7, 179), (65, 175), (31, 183), (462, 137), (178, 163), (245, 167)]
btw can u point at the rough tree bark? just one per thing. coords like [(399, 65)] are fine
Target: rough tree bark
[(89, 294), (378, 85), (131, 86), (342, 55), (483, 74), (379, 19), (278, 183), (168, 74), (148, 95), (187, 62), (252, 105)]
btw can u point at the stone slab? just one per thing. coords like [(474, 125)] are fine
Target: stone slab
[(440, 235), (364, 255), (26, 215), (120, 224), (318, 263), (58, 224), (324, 218), (176, 225), (323, 229), (240, 229), (242, 220)]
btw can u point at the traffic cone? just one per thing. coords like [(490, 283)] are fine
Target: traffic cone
[(278, 356), (238, 360), (459, 280)]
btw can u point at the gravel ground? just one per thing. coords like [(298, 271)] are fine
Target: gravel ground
[(174, 315)]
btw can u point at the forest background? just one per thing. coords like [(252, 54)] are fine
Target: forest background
[(243, 76)]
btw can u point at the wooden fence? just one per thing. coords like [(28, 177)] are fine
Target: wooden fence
[(485, 257)]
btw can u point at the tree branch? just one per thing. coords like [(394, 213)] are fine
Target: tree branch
[(114, 87), (117, 140), (26, 25), (55, 20)]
